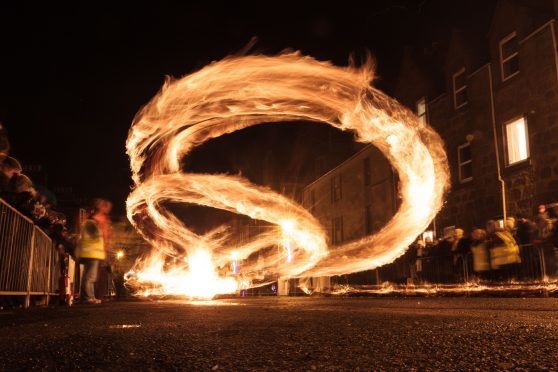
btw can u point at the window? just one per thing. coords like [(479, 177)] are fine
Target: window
[(509, 56), (336, 192), (337, 230), (465, 162), (517, 143), (367, 172), (459, 89), (421, 110), (368, 226)]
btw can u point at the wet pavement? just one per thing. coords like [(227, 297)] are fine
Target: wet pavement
[(286, 334)]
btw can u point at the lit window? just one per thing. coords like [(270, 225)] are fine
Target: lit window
[(337, 230), (421, 110), (517, 144), (465, 162), (509, 56), (336, 192), (459, 89)]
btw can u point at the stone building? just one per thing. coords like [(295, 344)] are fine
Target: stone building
[(353, 200), (493, 97), (497, 113)]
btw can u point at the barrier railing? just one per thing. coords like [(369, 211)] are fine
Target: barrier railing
[(441, 269), (28, 259), (534, 266)]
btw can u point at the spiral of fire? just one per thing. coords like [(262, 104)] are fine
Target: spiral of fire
[(239, 92)]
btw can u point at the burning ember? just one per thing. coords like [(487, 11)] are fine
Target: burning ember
[(239, 92)]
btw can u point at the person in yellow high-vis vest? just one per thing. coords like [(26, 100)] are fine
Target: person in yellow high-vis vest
[(90, 251), (481, 257), (504, 252)]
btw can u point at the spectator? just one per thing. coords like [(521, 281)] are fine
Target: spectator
[(542, 212), (65, 242), (504, 251), (461, 246), (90, 251), (100, 213), (543, 223), (24, 198), (509, 225), (481, 263), (443, 248), (524, 230), (9, 168)]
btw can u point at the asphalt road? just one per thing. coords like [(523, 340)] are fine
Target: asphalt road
[(286, 334)]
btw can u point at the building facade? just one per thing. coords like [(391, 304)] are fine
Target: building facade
[(493, 97), (351, 201), (498, 117), (354, 199)]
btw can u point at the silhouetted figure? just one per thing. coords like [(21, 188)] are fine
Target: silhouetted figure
[(101, 215), (524, 230), (9, 168), (90, 251), (481, 257)]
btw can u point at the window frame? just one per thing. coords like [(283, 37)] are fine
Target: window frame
[(506, 144), (460, 164), (501, 56), (459, 72)]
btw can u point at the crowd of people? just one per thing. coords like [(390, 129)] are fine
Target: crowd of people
[(493, 252), (89, 247), (36, 203)]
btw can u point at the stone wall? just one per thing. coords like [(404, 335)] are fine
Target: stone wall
[(531, 94), (379, 195)]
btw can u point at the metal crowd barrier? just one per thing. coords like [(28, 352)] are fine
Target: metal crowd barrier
[(537, 263), (441, 269), (29, 263)]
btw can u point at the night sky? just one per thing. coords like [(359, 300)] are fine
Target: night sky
[(72, 78)]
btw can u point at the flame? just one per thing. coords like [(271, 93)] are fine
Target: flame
[(239, 92), (197, 278), (510, 287)]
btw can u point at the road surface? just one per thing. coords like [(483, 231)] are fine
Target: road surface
[(286, 334)]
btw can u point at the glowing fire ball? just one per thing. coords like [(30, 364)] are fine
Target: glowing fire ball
[(239, 92)]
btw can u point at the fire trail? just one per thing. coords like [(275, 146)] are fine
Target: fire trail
[(239, 92)]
